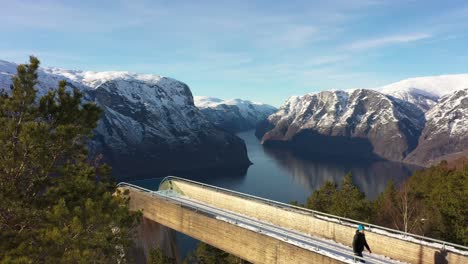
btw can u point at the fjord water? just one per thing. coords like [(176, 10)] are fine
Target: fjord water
[(280, 175)]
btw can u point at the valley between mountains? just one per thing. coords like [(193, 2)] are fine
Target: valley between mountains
[(153, 124)]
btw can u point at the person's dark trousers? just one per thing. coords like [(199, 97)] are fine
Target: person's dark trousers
[(359, 254)]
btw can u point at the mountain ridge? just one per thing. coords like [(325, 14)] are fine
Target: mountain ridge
[(426, 91), (150, 123), (422, 91), (445, 135), (234, 115), (362, 123)]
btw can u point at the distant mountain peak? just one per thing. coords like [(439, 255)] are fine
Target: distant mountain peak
[(438, 85), (235, 114), (426, 91), (207, 101)]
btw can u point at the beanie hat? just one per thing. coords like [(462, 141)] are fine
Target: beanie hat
[(360, 227)]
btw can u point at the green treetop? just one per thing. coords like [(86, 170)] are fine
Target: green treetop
[(56, 205)]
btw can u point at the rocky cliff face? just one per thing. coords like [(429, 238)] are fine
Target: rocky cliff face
[(233, 115), (445, 135), (359, 124), (150, 123)]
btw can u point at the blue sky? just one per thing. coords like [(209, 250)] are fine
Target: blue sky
[(259, 50)]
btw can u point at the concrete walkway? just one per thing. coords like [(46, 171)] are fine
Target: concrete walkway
[(323, 246)]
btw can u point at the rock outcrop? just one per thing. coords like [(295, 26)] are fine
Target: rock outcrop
[(357, 124)]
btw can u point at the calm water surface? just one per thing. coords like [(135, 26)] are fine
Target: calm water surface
[(282, 176)]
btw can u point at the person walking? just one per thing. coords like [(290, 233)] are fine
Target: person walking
[(359, 242)]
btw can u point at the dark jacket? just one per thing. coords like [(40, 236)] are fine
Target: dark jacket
[(359, 242)]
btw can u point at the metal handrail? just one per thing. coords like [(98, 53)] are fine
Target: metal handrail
[(286, 238), (122, 184), (338, 218)]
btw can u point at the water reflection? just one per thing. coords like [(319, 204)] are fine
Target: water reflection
[(284, 176), (371, 177)]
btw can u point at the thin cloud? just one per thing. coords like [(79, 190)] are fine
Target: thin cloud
[(52, 58), (58, 16), (297, 36), (226, 58), (388, 40), (326, 60)]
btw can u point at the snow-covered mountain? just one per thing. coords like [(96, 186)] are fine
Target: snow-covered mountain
[(150, 123), (426, 91), (359, 123), (233, 115), (446, 133)]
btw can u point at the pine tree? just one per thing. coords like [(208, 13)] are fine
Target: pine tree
[(441, 193), (385, 207), (432, 202), (56, 206), (157, 256), (350, 202), (322, 199), (206, 254)]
